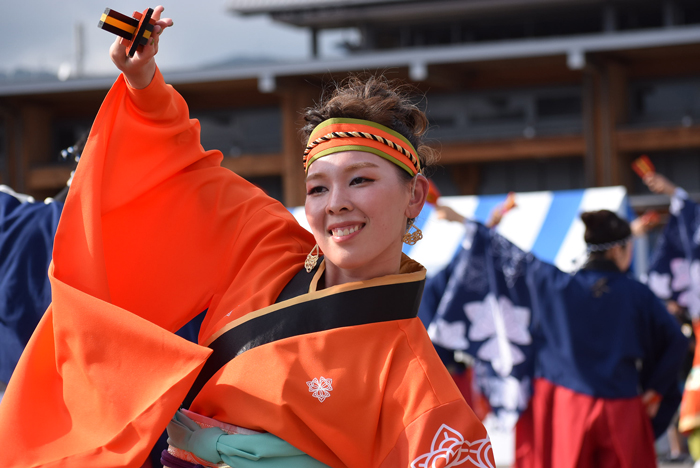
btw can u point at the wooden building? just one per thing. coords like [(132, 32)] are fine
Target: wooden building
[(521, 94)]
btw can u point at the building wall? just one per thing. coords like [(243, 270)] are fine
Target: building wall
[(525, 124)]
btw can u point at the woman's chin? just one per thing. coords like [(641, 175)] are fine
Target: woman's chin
[(346, 261)]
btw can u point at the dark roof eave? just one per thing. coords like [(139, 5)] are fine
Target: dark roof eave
[(344, 15), (256, 7), (414, 57)]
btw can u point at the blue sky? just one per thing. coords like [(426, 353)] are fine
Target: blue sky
[(203, 33)]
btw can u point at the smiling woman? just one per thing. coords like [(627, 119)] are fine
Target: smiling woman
[(328, 367), (364, 160)]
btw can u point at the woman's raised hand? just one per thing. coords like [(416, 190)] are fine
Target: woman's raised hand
[(659, 184), (139, 69)]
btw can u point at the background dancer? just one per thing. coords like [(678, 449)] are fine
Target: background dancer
[(27, 230), (580, 336), (675, 277), (461, 371)]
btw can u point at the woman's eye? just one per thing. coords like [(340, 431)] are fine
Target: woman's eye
[(314, 190), (360, 180)]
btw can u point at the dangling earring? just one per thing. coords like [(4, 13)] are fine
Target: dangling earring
[(411, 238), (311, 259)]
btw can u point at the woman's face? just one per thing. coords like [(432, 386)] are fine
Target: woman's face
[(357, 205)]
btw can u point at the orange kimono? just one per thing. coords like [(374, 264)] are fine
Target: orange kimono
[(153, 232), (690, 405)]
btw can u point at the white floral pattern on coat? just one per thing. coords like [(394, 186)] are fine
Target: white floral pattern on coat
[(660, 284), (450, 335), (501, 323), (450, 450), (321, 388)]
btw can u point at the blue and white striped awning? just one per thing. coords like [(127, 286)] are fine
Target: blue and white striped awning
[(545, 223)]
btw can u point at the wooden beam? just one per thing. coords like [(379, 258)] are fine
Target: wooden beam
[(294, 100), (36, 141), (8, 173), (467, 178), (518, 148), (48, 177), (259, 165), (534, 71), (617, 166), (658, 139), (588, 87), (605, 104)]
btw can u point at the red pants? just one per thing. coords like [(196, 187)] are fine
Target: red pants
[(474, 398), (565, 429)]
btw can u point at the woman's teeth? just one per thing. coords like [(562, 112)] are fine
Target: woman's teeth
[(345, 232)]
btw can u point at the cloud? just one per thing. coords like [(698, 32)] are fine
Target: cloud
[(204, 33)]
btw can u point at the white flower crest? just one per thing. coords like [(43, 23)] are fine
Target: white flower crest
[(450, 450), (451, 335), (321, 388), (508, 393), (680, 272), (502, 324), (660, 284)]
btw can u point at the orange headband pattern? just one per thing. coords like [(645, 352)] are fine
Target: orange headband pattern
[(336, 135)]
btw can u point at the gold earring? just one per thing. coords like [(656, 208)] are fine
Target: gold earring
[(311, 259), (411, 238)]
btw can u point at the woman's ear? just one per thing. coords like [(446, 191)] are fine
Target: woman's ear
[(419, 193), (621, 255)]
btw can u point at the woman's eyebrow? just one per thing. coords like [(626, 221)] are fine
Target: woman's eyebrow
[(317, 175), (350, 168), (359, 165)]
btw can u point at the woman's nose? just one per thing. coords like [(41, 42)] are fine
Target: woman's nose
[(338, 201)]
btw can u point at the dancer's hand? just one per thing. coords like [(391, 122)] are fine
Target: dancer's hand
[(644, 223), (445, 212), (659, 184), (139, 69), (651, 400)]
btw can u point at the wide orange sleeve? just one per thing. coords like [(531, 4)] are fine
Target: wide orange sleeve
[(449, 435), (447, 432), (166, 227), (153, 232)]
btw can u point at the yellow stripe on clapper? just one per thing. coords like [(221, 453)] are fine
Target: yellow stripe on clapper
[(118, 24)]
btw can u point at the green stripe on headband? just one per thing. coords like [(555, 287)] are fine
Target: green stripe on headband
[(366, 149)]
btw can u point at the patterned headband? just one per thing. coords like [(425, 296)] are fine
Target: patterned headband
[(336, 135), (607, 245)]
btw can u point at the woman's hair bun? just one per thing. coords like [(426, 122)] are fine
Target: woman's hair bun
[(604, 226)]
